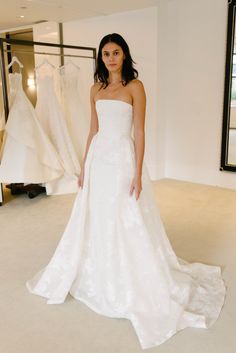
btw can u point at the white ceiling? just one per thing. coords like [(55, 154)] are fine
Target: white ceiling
[(61, 10)]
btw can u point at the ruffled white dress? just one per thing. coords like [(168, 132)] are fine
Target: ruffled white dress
[(27, 155)]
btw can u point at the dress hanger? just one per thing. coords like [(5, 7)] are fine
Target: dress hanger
[(70, 62), (15, 60), (44, 62)]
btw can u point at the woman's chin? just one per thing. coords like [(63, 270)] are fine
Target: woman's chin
[(112, 68)]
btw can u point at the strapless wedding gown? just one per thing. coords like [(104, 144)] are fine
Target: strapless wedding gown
[(114, 254)]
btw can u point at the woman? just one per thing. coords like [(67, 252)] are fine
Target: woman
[(114, 254), (116, 77)]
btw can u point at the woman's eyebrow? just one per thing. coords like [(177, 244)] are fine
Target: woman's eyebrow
[(107, 51)]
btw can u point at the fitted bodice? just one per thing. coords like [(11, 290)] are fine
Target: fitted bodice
[(69, 78), (114, 117), (45, 87), (15, 90), (114, 142), (15, 81)]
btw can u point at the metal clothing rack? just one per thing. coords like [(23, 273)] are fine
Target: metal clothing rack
[(45, 53), (3, 66)]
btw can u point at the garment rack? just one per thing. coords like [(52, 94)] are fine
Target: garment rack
[(3, 65), (45, 53)]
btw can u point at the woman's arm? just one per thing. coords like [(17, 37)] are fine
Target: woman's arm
[(93, 121), (92, 131), (139, 110)]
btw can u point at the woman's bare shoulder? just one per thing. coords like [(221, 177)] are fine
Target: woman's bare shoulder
[(95, 87), (136, 88), (136, 84)]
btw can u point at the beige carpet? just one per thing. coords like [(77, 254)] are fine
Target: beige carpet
[(201, 224)]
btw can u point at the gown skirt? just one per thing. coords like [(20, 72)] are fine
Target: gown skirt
[(114, 254)]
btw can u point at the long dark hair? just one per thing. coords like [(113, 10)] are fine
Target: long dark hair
[(128, 71)]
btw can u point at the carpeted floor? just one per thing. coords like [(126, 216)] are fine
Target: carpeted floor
[(200, 221)]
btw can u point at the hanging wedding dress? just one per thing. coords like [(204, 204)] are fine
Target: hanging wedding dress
[(2, 118), (68, 88), (114, 254), (27, 156), (53, 122)]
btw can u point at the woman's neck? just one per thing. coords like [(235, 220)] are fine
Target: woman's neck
[(114, 78)]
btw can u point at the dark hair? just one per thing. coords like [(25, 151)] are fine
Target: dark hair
[(128, 71)]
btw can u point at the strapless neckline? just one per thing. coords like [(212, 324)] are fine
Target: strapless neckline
[(114, 100)]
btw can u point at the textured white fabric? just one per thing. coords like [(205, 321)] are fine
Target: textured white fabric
[(114, 254), (68, 88), (2, 114), (51, 117), (27, 155)]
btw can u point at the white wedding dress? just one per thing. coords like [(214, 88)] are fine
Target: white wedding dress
[(27, 155), (51, 118), (68, 88), (114, 254)]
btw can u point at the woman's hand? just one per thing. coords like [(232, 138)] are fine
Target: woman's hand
[(136, 186), (81, 178)]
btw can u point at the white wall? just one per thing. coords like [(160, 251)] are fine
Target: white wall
[(139, 28), (194, 74), (180, 50), (46, 32)]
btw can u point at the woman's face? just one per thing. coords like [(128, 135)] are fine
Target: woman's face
[(113, 56)]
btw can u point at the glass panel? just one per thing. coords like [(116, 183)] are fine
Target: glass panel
[(232, 119)]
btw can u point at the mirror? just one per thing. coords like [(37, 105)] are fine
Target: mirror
[(228, 149)]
